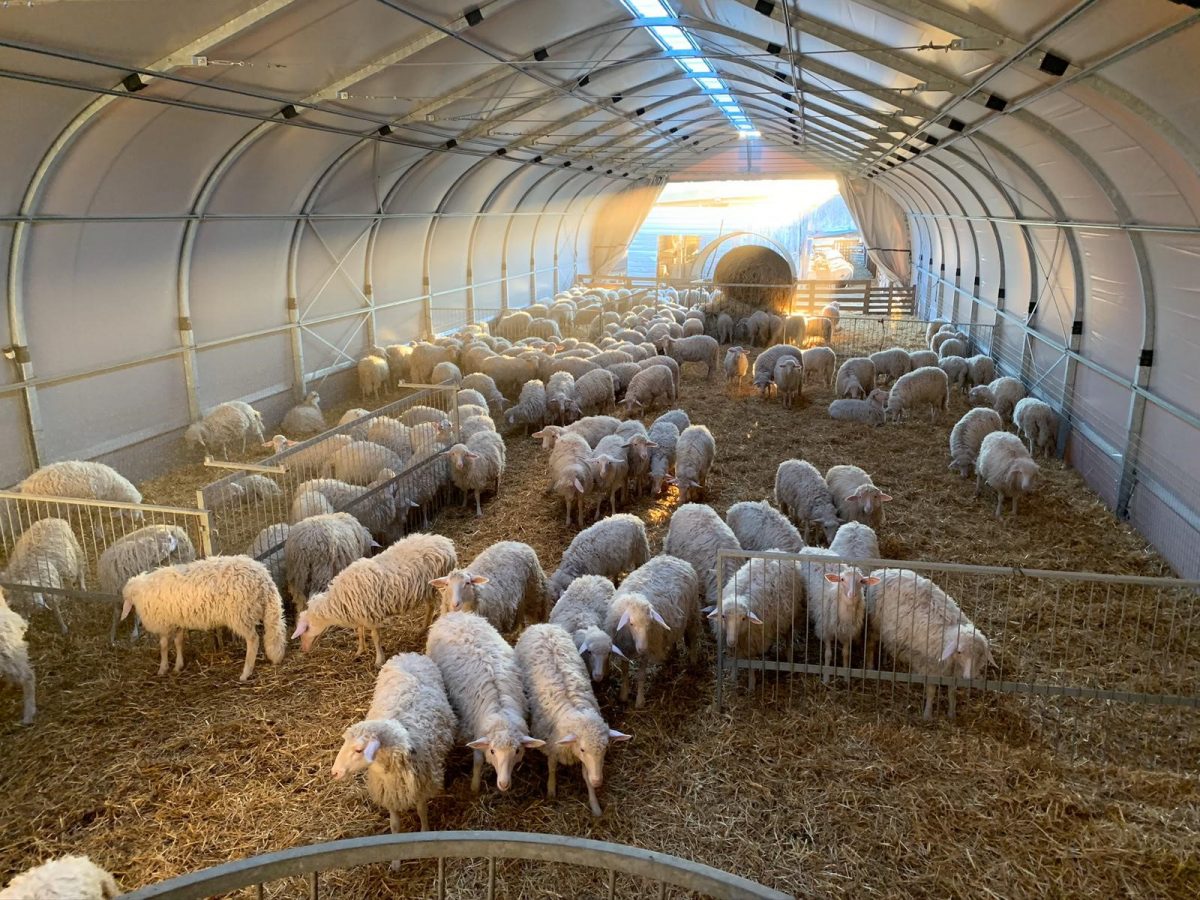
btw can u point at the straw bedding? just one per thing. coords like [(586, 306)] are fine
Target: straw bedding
[(808, 788)]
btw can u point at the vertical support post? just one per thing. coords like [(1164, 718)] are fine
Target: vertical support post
[(33, 416), (299, 379), (533, 291), (1137, 414), (427, 309), (503, 283), (470, 290), (369, 294)]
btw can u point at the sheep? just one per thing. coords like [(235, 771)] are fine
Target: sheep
[(309, 460), (368, 593), (530, 408), (967, 436), (399, 359), (833, 312), (80, 480), (855, 378), (575, 367), (420, 414), (694, 454), (483, 682), (514, 325), (794, 330), (357, 419), (856, 541), (922, 358), (309, 503), (622, 374), (737, 365), (818, 330), (856, 497), (921, 626), (394, 435), (834, 595), (1007, 468), (1001, 395), (66, 878), (693, 327), (560, 395), (927, 387), (660, 360), (478, 465), (1038, 423), (759, 526), (864, 412), (14, 659), (611, 547), (952, 347), (699, 348), (571, 473), (759, 325), (373, 372), (607, 358), (655, 608), (402, 742), (594, 429), (305, 418), (757, 607), (724, 328), (505, 584), (676, 417), (820, 365), (377, 506), (957, 371), (648, 388), (563, 710), (224, 425), (47, 555), (945, 334), (471, 426), (934, 327), (789, 380), (580, 611), (802, 495), (446, 372), (663, 438), (890, 364), (980, 370), (318, 548), (509, 373), (697, 534), (235, 592), (137, 552), (269, 548), (360, 462), (423, 359), (260, 489), (486, 386), (764, 365), (609, 465), (595, 392)]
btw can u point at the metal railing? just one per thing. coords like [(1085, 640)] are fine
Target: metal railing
[(857, 335), (646, 873)]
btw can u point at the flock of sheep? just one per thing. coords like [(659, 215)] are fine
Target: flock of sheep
[(609, 600)]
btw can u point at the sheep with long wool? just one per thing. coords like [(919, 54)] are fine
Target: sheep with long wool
[(581, 611), (803, 495), (234, 422), (318, 548), (14, 659), (697, 535), (758, 525), (611, 547), (65, 878), (505, 584), (856, 496), (140, 551), (305, 418), (967, 437)]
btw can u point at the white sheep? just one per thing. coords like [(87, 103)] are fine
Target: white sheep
[(724, 328), (373, 373), (611, 547), (957, 371), (359, 420), (581, 611), (697, 534), (46, 556), (530, 408), (652, 386), (922, 358), (759, 526), (370, 593), (922, 627), (980, 370), (692, 327), (563, 710), (509, 373), (226, 424), (260, 489), (399, 358), (394, 435), (378, 506), (765, 363), (794, 330), (595, 392), (864, 412), (699, 348), (234, 592), (318, 548), (737, 365), (360, 462), (855, 496), (802, 494), (967, 436), (758, 606), (66, 878), (425, 356), (1006, 467), (14, 659), (655, 608), (694, 454), (926, 388), (505, 584), (310, 503), (310, 460), (833, 312), (571, 472), (855, 378), (486, 386), (856, 541), (818, 330), (657, 359), (1001, 395), (952, 347), (890, 364), (1038, 423), (560, 396), (137, 552), (789, 380), (594, 429), (483, 682), (478, 465), (420, 414), (446, 372), (305, 418), (402, 742), (80, 480), (269, 547), (610, 465), (470, 426), (946, 333), (820, 365), (664, 437), (934, 326), (834, 593)]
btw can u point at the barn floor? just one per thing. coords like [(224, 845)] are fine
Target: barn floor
[(808, 788)]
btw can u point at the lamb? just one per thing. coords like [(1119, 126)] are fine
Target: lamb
[(737, 365), (403, 741), (369, 593), (789, 380), (980, 370), (486, 386), (694, 454), (697, 534), (446, 372), (483, 682), (563, 710), (595, 392), (654, 609), (530, 409), (764, 365), (373, 372), (47, 555), (318, 548), (581, 611), (863, 412), (137, 552), (957, 370), (310, 460), (224, 425), (803, 496), (758, 606), (664, 437), (927, 387), (855, 378), (1001, 395), (820, 364), (922, 627), (269, 548), (922, 358), (14, 659), (856, 497), (505, 584), (234, 592), (360, 462), (724, 328), (967, 436), (1007, 468), (80, 480), (648, 388), (560, 396), (1038, 422), (611, 547), (952, 347), (66, 878), (305, 418), (890, 364), (759, 526), (610, 466), (478, 465), (834, 593), (699, 348)]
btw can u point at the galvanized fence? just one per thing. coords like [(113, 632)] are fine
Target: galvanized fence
[(619, 870), (864, 335), (339, 471), (58, 550), (1109, 663)]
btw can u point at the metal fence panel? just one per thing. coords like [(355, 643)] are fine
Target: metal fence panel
[(864, 335)]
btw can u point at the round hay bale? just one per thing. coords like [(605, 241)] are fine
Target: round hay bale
[(739, 274)]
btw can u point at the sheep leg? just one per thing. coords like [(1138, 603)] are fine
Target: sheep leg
[(999, 504), (827, 647), (362, 641), (478, 506), (378, 649), (164, 642), (112, 631), (477, 772), (750, 677), (422, 814), (179, 634), (551, 778), (641, 684), (466, 496), (624, 695), (29, 697), (978, 482), (593, 802), (930, 696), (568, 505), (951, 692), (1014, 504), (54, 605), (252, 641)]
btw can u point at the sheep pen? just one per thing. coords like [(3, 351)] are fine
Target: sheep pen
[(841, 792)]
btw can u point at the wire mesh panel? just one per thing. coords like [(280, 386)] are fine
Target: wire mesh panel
[(59, 550), (1107, 663), (864, 335)]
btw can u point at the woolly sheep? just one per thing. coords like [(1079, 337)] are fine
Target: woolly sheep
[(1038, 423), (377, 506), (402, 742), (508, 373), (571, 472), (945, 334), (14, 659), (677, 417), (394, 435), (424, 357), (794, 330), (694, 454), (655, 608), (309, 503), (856, 497), (922, 358), (563, 710), (594, 429), (724, 328), (957, 371), (789, 380), (922, 627), (445, 372), (234, 592), (419, 414), (697, 534), (478, 465), (399, 358), (758, 607), (360, 462), (1001, 395), (310, 460), (699, 348), (580, 611), (66, 878), (692, 327), (269, 548), (318, 548), (473, 425), (660, 360), (226, 424), (505, 584), (357, 418), (611, 547), (530, 409), (934, 327), (967, 436), (373, 373), (664, 437), (820, 365), (137, 552), (370, 593), (260, 488), (863, 412), (47, 555), (759, 526), (1006, 467), (595, 392), (623, 374), (834, 595), (609, 465), (890, 364), (305, 418), (921, 388), (855, 378), (818, 330), (560, 396), (952, 347), (737, 365), (576, 367), (80, 480), (832, 312), (486, 386), (514, 325), (650, 387), (764, 365), (980, 370), (483, 682), (803, 495)]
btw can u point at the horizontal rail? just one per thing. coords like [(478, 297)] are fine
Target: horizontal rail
[(243, 466), (69, 219), (1058, 223), (106, 504)]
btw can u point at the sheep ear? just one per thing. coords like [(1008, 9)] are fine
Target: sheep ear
[(126, 608), (371, 749), (871, 579), (414, 504), (651, 444), (538, 435), (832, 578), (708, 610), (753, 618), (439, 582), (618, 736), (301, 627), (617, 651), (568, 739), (479, 743), (991, 660), (532, 743), (659, 619), (479, 579), (579, 485), (624, 620), (713, 613), (470, 455), (581, 644), (950, 646), (884, 498)]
